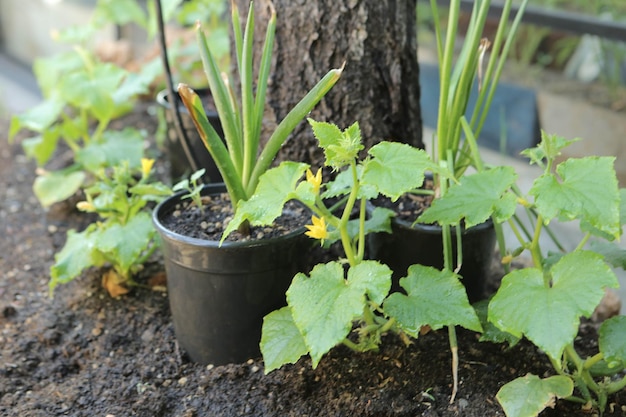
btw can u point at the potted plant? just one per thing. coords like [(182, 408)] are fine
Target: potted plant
[(544, 302), (349, 302), (220, 291), (353, 293), (454, 150)]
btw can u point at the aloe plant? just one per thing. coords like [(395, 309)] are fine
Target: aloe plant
[(243, 159)]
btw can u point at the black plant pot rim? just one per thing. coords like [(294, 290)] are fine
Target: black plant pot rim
[(436, 228), (169, 203), (162, 100), (431, 228)]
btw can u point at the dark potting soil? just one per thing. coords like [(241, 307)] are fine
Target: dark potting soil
[(84, 353), (410, 205), (209, 221)]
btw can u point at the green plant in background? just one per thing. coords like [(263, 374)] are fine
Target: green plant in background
[(83, 95), (347, 301), (456, 78), (243, 159), (544, 302), (123, 237)]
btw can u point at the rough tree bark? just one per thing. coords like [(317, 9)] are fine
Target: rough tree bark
[(379, 87)]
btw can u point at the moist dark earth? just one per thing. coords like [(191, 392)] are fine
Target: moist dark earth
[(84, 353)]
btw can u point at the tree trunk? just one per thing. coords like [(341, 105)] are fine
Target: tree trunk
[(379, 87)]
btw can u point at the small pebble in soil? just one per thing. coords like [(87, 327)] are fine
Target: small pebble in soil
[(209, 367), (182, 381), (463, 403)]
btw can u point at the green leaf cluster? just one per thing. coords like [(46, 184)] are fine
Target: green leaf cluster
[(123, 238), (347, 301)]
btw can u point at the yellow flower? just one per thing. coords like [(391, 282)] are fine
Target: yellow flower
[(314, 180), (146, 166), (318, 229), (85, 206)]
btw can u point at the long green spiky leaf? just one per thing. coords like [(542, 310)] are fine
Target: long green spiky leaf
[(213, 143), (288, 124), (250, 141), (261, 86), (223, 103)]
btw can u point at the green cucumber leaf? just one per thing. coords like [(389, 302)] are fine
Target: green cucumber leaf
[(584, 189), (281, 341), (343, 183), (57, 186), (115, 147), (41, 147), (424, 304), (340, 148), (123, 244), (395, 168), (276, 187), (491, 333), (37, 118), (550, 315), (530, 395), (612, 341), (475, 199), (78, 253), (550, 147), (325, 304)]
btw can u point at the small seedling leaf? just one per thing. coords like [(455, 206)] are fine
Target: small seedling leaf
[(612, 341), (530, 395), (281, 341), (123, 244)]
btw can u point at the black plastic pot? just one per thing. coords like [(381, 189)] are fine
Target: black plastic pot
[(219, 295), (180, 166), (422, 244)]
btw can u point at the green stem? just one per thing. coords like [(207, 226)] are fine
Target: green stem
[(535, 250), (345, 218), (583, 241), (589, 362), (501, 243), (361, 242), (350, 344), (388, 325)]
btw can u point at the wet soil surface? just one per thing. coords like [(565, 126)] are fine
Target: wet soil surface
[(84, 353)]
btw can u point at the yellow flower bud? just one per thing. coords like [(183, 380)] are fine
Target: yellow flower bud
[(507, 259), (314, 180), (146, 166), (523, 202), (85, 206)]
